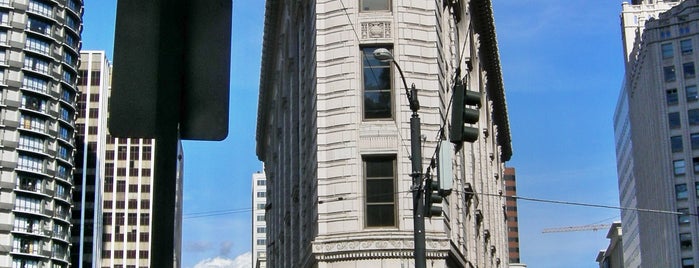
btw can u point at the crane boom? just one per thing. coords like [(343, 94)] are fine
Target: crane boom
[(589, 227)]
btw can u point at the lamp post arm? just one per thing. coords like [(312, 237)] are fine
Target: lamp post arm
[(402, 77)]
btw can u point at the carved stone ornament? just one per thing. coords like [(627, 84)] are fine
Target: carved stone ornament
[(377, 249), (372, 30)]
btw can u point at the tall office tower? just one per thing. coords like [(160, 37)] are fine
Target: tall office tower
[(655, 134), (113, 180), (512, 218), (39, 44), (259, 226), (334, 133), (90, 141)]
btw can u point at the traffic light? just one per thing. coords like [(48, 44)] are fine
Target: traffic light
[(433, 198), (464, 110)]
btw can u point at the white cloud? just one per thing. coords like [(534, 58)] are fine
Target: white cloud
[(241, 261)]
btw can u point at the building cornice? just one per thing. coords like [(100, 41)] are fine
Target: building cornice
[(376, 248), (269, 51), (484, 25)]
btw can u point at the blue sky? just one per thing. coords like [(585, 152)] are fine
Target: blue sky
[(562, 68)]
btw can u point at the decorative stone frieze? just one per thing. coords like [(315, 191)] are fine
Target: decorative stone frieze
[(376, 30)]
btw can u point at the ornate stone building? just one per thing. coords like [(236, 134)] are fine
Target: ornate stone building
[(334, 133)]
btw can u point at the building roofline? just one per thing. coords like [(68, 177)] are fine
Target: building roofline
[(268, 38), (484, 23)]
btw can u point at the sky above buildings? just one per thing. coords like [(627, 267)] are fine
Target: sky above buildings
[(562, 68)]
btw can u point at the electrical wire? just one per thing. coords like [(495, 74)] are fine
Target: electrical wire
[(570, 203), (214, 213)]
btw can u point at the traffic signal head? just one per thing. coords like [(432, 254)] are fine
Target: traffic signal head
[(433, 198), (464, 110)]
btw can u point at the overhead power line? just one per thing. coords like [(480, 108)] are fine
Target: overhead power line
[(585, 204)]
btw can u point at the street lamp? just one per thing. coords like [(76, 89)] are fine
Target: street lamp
[(384, 55)]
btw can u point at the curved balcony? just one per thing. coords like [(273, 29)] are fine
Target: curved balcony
[(33, 170), (74, 8), (31, 211), (31, 251), (31, 231), (33, 128), (63, 197), (62, 216), (31, 188), (36, 109), (61, 236), (45, 12)]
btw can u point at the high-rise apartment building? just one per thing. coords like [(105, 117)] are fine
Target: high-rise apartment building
[(259, 226), (114, 178), (39, 44), (334, 133), (655, 133)]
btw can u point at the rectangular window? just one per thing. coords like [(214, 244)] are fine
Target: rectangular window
[(679, 167), (669, 73), (379, 173), (684, 28), (377, 86), (676, 143), (681, 191), (121, 186), (674, 120), (145, 219), (683, 218), (667, 50), (693, 117), (686, 47), (686, 240), (696, 164), (144, 237), (375, 5), (688, 69), (696, 188), (665, 33), (261, 194), (687, 263), (672, 97)]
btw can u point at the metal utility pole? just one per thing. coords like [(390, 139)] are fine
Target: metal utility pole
[(416, 159), (383, 54)]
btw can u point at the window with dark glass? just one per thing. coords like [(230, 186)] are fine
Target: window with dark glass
[(687, 263), (667, 50), (676, 143), (674, 120), (377, 86), (683, 217), (695, 162), (672, 97), (686, 47), (681, 191), (95, 77), (678, 167), (379, 173), (121, 186), (688, 69), (669, 73), (693, 116), (686, 240), (375, 5)]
